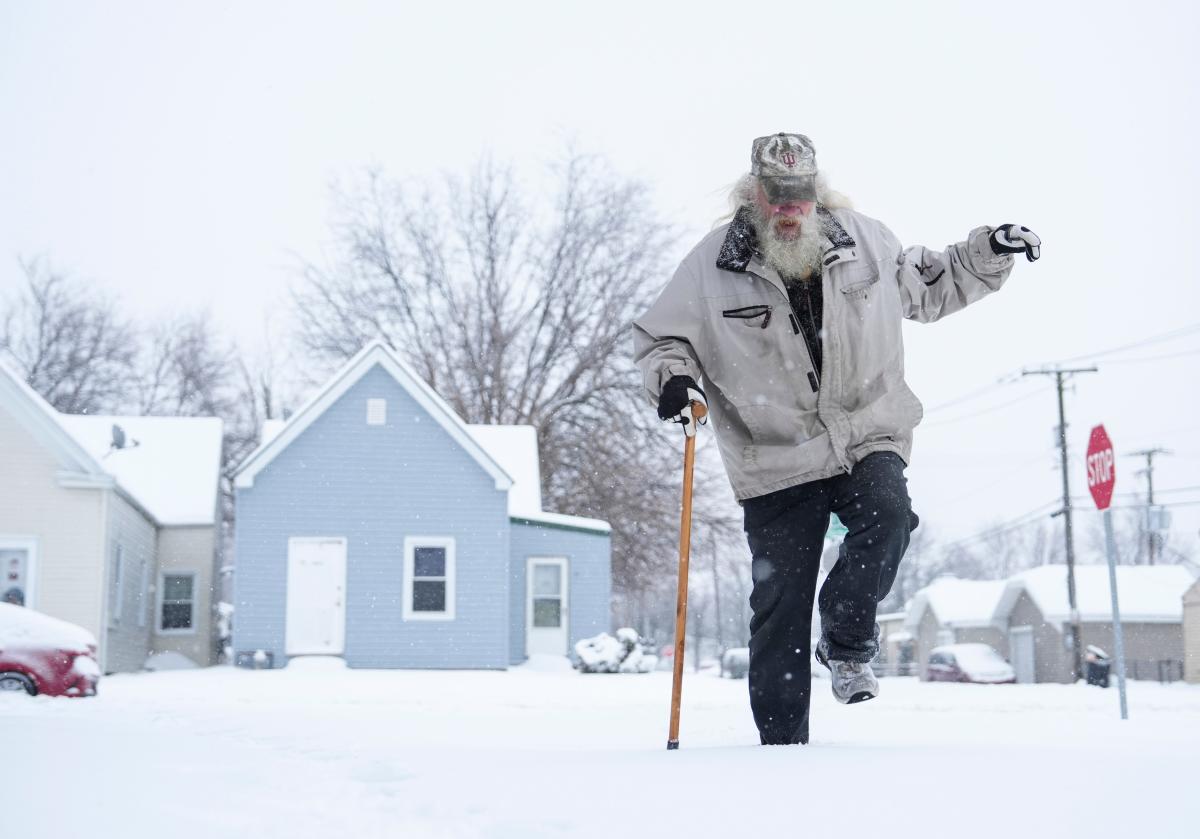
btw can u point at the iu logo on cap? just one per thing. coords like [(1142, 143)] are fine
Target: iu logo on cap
[(788, 158)]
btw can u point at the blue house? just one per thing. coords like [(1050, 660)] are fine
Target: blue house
[(376, 525)]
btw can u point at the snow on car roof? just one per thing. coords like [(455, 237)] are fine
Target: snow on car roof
[(21, 627), (172, 471), (1148, 593), (958, 602)]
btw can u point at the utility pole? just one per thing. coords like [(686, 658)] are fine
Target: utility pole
[(1151, 534), (1059, 375)]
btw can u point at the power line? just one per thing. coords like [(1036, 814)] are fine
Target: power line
[(1153, 339), (1006, 379), (983, 411), (1151, 358), (1012, 524), (1014, 376)]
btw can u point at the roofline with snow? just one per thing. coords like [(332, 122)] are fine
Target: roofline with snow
[(41, 417), (559, 521), (375, 352)]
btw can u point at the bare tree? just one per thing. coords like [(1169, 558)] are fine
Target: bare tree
[(69, 342), (518, 313)]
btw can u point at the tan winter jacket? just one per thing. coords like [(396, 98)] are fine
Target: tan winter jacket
[(725, 319)]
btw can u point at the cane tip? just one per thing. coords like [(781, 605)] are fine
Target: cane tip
[(672, 745)]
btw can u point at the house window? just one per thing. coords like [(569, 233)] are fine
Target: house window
[(376, 411), (429, 578), (16, 572), (178, 608), (117, 592)]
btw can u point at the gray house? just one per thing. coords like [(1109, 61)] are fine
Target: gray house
[(377, 526), (954, 611), (1191, 634), (1035, 610), (110, 522)]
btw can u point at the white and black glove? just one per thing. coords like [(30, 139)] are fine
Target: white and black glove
[(1013, 238), (675, 402)]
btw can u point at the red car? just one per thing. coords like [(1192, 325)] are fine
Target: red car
[(976, 663), (41, 654)]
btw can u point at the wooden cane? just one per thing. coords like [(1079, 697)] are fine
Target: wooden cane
[(685, 542)]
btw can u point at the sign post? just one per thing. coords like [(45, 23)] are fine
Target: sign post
[(1101, 477)]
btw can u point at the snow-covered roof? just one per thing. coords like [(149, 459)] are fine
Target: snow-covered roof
[(172, 474), (270, 430), (1147, 593), (174, 469), (957, 603), (46, 425), (515, 448)]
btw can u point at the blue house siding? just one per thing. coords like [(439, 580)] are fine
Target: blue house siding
[(589, 579), (373, 486)]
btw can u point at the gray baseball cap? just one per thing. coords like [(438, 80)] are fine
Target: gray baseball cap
[(786, 166)]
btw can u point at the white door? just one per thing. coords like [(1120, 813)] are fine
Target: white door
[(316, 597), (546, 618), (1020, 645)]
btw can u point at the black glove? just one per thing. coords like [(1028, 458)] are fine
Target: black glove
[(1013, 238), (675, 402)]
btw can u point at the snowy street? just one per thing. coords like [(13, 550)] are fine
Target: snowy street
[(539, 751)]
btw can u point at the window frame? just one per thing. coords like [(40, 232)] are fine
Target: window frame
[(117, 593), (411, 543), (160, 601), (143, 595)]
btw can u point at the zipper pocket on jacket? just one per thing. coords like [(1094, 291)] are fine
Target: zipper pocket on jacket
[(749, 313), (813, 381)]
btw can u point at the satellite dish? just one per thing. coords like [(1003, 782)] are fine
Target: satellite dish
[(119, 440)]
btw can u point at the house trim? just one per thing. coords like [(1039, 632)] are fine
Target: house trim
[(411, 543), (574, 524), (372, 354)]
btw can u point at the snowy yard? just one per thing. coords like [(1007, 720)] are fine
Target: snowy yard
[(319, 751)]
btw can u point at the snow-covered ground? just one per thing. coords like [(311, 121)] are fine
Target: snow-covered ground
[(316, 750)]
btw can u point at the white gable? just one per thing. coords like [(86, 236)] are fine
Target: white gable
[(37, 416), (174, 469), (374, 353)]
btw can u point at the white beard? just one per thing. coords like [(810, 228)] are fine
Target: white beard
[(796, 258)]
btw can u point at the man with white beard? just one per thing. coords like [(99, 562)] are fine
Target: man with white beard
[(791, 315)]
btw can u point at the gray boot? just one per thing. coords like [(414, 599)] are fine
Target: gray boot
[(852, 681)]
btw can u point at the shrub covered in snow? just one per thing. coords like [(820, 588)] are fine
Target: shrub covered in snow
[(605, 654), (735, 663)]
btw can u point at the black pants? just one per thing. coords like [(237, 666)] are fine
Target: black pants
[(786, 531)]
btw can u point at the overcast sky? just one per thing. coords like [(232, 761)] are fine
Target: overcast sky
[(180, 156)]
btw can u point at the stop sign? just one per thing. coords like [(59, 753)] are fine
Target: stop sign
[(1101, 467)]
